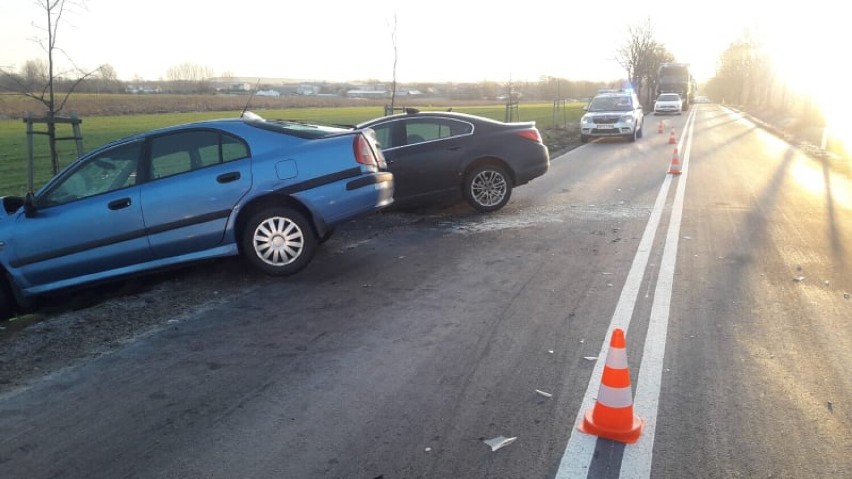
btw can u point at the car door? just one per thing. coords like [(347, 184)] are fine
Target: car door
[(195, 178), (428, 156), (86, 224)]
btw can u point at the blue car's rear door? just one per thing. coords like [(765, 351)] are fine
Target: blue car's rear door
[(196, 177)]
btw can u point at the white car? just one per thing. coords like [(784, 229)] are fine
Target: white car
[(613, 113), (668, 103)]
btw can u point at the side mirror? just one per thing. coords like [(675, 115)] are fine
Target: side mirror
[(29, 205)]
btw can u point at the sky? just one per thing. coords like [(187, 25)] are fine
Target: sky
[(437, 41)]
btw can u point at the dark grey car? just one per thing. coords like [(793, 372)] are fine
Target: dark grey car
[(440, 156)]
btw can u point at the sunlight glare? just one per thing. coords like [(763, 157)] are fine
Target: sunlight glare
[(811, 68)]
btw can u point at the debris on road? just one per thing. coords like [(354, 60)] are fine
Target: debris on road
[(499, 442), (590, 358), (799, 279), (542, 393)]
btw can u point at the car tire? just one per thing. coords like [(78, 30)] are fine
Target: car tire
[(6, 305), (584, 138), (279, 241), (487, 188), (641, 132)]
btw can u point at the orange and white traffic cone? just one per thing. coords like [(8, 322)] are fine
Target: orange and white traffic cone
[(612, 416), (672, 139), (674, 169), (660, 128)]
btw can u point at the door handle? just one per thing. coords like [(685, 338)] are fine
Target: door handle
[(119, 204), (228, 177)]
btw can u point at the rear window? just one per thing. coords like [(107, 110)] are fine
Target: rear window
[(301, 130), (668, 98)]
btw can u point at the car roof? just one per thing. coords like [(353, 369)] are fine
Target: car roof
[(431, 114)]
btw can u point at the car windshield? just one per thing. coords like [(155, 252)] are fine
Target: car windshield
[(611, 103)]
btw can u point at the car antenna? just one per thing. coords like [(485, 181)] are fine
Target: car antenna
[(242, 114)]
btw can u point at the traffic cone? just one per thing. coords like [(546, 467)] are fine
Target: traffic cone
[(674, 169), (660, 128), (672, 137), (612, 416)]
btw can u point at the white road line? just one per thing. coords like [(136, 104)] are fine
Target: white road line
[(578, 453), (636, 462)]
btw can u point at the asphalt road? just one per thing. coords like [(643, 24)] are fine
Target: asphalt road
[(414, 338)]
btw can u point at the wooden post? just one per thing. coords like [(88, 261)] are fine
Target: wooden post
[(30, 156)]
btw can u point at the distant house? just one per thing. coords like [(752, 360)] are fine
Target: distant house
[(267, 93), (306, 89), (142, 89), (367, 94)]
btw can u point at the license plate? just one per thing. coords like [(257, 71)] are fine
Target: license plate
[(605, 127)]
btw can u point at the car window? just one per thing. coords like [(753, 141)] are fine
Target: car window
[(384, 135), (186, 151), (429, 129), (108, 171), (611, 103)]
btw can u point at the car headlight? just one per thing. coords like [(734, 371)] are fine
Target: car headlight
[(626, 119), (587, 120)]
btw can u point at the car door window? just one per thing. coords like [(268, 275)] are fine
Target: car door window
[(384, 135), (430, 129), (186, 151), (110, 170)]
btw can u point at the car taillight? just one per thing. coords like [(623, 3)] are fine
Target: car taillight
[(533, 135), (363, 152)]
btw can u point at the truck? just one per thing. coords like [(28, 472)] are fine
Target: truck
[(676, 78)]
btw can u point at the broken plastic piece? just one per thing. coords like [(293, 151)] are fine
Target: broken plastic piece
[(799, 279), (542, 393), (499, 441), (590, 358)]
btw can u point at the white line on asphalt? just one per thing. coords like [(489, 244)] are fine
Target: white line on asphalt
[(636, 461), (578, 453)]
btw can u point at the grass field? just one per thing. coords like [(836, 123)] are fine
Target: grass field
[(98, 130)]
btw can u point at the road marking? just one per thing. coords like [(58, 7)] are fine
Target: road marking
[(637, 458), (580, 448)]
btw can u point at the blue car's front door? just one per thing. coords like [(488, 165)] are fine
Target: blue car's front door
[(87, 224)]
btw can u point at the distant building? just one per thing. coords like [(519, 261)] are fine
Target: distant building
[(142, 89), (307, 89), (267, 93), (367, 94)]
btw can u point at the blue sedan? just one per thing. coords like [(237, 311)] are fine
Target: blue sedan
[(269, 191)]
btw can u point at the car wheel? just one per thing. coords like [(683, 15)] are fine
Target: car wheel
[(584, 138), (5, 303), (279, 241), (641, 132), (487, 188), (632, 136)]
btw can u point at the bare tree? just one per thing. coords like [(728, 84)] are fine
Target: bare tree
[(737, 71), (38, 80), (395, 58), (641, 56), (189, 77)]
